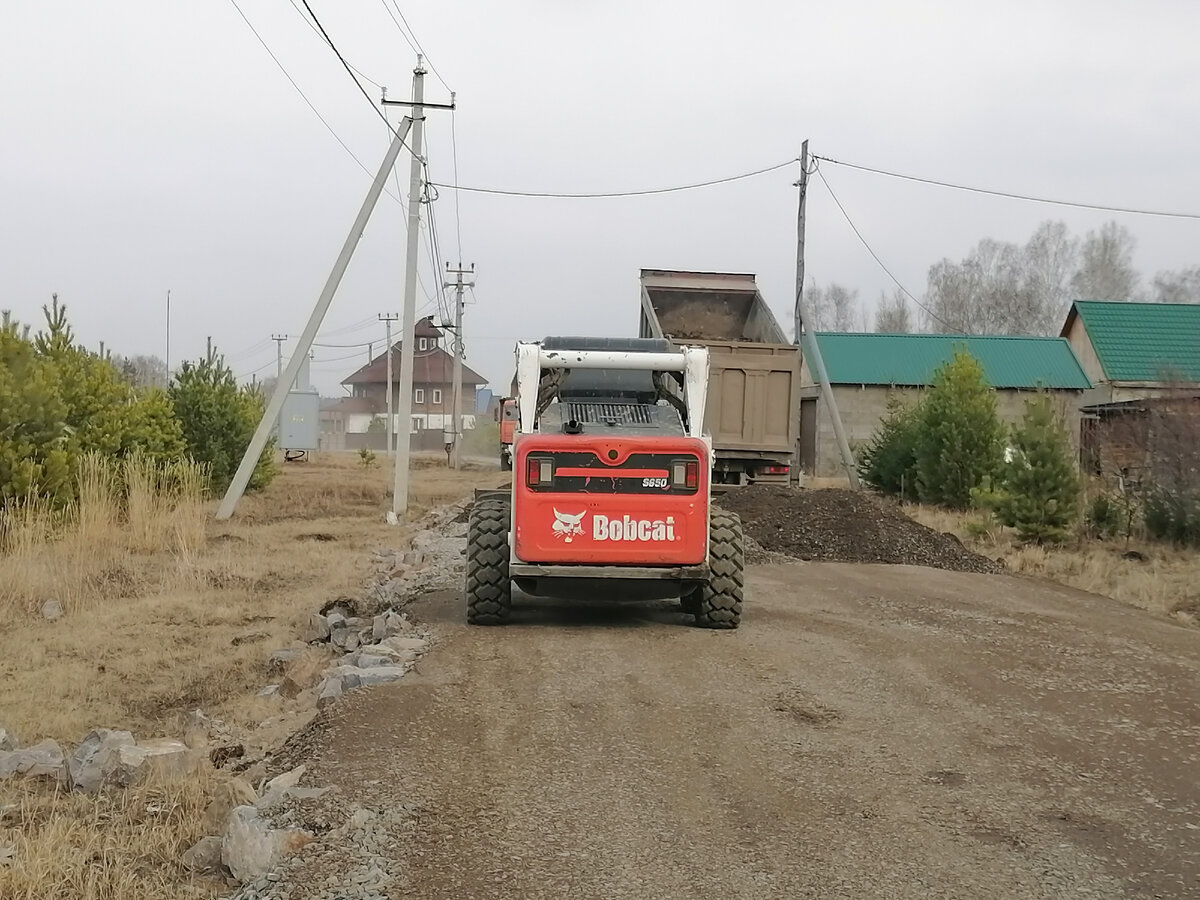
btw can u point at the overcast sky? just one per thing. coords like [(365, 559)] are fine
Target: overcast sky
[(152, 146)]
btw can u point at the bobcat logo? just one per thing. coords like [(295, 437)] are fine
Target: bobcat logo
[(566, 526)]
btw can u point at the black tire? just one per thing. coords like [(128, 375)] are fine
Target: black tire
[(720, 598), (489, 589), (690, 602)]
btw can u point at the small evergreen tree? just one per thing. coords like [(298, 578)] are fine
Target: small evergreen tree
[(888, 463), (959, 445), (37, 450), (1040, 488), (218, 419)]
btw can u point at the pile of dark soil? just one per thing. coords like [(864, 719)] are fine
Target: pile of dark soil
[(844, 526)]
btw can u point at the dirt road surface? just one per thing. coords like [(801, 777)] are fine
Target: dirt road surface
[(870, 731)]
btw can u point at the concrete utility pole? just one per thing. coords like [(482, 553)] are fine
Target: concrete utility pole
[(279, 339), (275, 405), (808, 341), (388, 319), (458, 284), (167, 360)]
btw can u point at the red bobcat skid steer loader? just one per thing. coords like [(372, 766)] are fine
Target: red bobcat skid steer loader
[(610, 495)]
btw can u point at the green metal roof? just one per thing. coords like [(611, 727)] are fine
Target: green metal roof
[(1143, 341), (910, 359)]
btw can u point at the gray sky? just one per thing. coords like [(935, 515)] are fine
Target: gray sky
[(153, 145)]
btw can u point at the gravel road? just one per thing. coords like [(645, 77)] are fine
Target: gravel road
[(870, 731)]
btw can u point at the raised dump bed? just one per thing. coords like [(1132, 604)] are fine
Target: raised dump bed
[(754, 382)]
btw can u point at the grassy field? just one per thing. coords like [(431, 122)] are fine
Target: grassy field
[(167, 611), (1154, 577)]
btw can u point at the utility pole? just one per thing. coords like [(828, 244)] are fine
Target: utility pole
[(271, 414), (279, 339), (370, 351), (208, 354), (458, 284), (409, 322), (808, 341), (388, 319), (168, 351)]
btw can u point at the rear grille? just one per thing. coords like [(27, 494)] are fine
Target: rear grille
[(604, 413)]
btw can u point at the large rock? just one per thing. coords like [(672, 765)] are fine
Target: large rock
[(204, 856), (353, 676), (52, 610), (302, 673), (44, 760), (88, 765), (7, 740), (345, 637), (317, 630), (162, 759), (330, 690), (285, 786), (227, 796), (250, 848), (410, 643)]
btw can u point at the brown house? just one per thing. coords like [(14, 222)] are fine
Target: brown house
[(433, 385)]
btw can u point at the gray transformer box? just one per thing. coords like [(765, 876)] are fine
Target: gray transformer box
[(300, 421)]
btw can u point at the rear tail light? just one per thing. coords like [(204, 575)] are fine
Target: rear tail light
[(678, 473), (775, 470), (539, 471), (692, 478)]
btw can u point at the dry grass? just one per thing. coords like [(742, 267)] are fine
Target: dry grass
[(155, 598), (1154, 577), (119, 844)]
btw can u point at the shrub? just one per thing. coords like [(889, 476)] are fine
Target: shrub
[(1173, 515), (1039, 487), (959, 442), (888, 462), (218, 418)]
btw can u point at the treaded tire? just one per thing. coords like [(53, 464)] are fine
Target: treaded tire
[(720, 598), (489, 589)]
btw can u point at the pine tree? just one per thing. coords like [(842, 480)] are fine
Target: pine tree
[(218, 420), (888, 463), (959, 446), (1040, 488)]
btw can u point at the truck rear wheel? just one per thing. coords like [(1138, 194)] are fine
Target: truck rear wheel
[(489, 589), (718, 602)]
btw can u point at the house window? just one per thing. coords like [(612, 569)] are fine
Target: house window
[(416, 424), (419, 395), (422, 344), (437, 396), (433, 343)]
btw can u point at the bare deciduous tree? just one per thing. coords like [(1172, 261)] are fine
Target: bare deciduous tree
[(1051, 256), (1106, 265), (143, 371), (1177, 287), (893, 315), (831, 308)]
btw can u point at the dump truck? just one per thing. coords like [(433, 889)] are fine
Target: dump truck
[(610, 496), (753, 409)]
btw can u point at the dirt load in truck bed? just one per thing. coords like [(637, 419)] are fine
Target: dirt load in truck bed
[(844, 526)]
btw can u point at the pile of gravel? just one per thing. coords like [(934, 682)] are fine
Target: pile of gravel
[(845, 526)]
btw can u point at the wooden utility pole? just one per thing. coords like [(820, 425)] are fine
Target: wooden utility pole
[(458, 284), (808, 341)]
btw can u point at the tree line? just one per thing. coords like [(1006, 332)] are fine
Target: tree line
[(60, 402), (1008, 288)]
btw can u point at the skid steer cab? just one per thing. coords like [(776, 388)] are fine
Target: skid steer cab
[(610, 495)]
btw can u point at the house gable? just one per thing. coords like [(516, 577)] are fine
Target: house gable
[(1146, 343)]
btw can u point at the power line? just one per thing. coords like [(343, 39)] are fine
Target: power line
[(299, 90), (1011, 196), (313, 27), (418, 48), (875, 255), (399, 28), (598, 196), (349, 71)]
